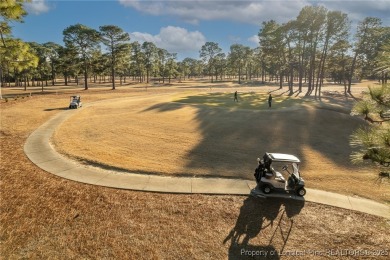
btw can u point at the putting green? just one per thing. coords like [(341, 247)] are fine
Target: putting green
[(248, 100)]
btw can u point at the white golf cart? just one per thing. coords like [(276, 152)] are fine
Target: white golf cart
[(269, 177), (75, 102)]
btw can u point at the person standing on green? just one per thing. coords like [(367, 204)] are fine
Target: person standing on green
[(269, 100), (235, 96)]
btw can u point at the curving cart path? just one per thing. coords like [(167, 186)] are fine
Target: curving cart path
[(39, 150)]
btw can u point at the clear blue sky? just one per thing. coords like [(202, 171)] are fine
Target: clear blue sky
[(178, 26)]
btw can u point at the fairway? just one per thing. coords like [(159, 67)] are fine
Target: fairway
[(54, 217), (247, 100), (207, 134)]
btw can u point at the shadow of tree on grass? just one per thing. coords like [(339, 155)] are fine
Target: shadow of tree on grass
[(232, 139)]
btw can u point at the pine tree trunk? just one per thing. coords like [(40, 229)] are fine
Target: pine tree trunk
[(53, 76), (85, 77), (352, 71)]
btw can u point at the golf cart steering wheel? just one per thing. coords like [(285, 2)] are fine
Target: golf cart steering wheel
[(284, 168)]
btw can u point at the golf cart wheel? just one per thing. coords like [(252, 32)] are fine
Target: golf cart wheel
[(267, 189), (301, 192)]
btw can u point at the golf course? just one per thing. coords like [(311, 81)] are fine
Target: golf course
[(206, 133), (182, 130), (253, 129)]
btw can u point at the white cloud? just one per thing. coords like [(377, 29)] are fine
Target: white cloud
[(239, 10), (37, 7), (254, 39), (358, 10), (173, 39), (144, 37), (253, 11)]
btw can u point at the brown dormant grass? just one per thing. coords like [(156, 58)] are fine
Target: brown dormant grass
[(45, 217), (152, 134)]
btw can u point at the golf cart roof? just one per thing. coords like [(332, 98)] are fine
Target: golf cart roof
[(281, 157)]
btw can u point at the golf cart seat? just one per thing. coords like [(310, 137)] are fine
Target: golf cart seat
[(279, 177)]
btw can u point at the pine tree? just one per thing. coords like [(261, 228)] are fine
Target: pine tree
[(373, 140)]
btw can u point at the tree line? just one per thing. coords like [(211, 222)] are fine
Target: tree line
[(314, 47)]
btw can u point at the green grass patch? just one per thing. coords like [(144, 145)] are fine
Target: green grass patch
[(249, 100)]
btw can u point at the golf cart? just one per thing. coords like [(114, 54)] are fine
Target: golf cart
[(75, 102), (269, 178)]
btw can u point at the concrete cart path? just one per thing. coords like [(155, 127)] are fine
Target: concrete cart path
[(39, 150)]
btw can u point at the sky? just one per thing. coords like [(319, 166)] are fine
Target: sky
[(180, 26)]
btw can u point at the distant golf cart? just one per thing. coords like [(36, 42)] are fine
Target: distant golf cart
[(75, 102), (269, 178)]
